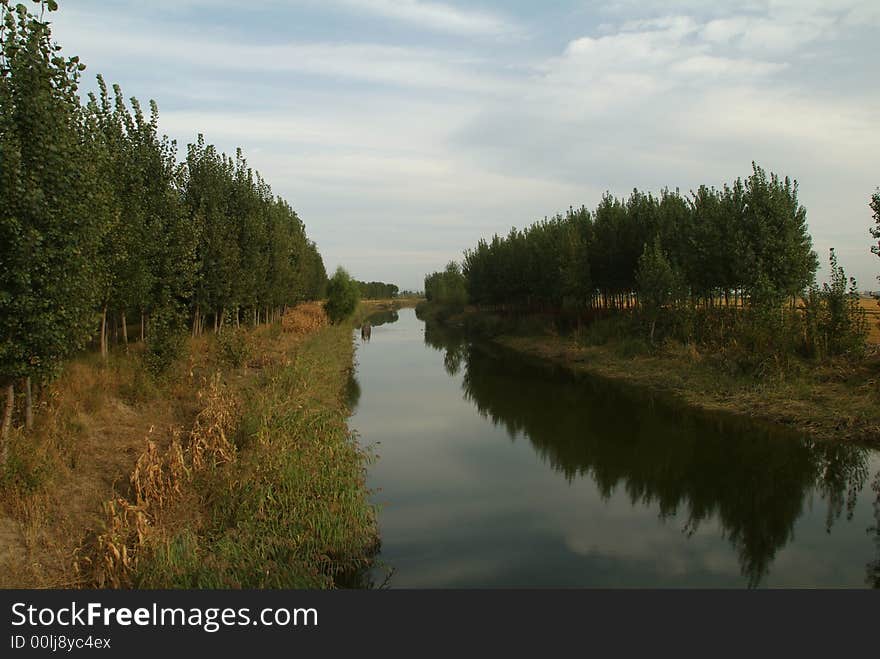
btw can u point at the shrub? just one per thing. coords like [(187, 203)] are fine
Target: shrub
[(233, 345), (165, 340), (835, 323), (342, 296)]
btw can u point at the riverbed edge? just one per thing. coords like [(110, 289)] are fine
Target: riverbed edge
[(834, 401)]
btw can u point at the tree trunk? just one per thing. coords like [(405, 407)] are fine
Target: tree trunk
[(28, 407), (7, 424), (142, 326), (124, 330), (653, 325), (104, 333)]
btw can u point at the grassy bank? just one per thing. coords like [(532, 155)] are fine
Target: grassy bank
[(250, 479), (834, 399)]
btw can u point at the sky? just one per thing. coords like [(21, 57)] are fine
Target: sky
[(402, 131)]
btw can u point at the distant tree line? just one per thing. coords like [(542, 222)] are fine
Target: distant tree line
[(734, 264), (377, 290), (747, 242), (101, 224)]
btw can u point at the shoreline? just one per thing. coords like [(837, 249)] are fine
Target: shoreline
[(830, 401)]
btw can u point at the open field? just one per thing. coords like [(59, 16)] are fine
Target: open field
[(871, 307)]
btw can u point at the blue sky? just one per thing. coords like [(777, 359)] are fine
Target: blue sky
[(404, 130)]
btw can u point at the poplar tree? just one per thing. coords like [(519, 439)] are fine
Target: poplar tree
[(54, 207), (657, 282)]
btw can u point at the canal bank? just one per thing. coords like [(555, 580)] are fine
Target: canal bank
[(836, 400)]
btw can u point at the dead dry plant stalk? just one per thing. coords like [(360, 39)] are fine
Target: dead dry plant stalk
[(209, 440), (110, 559)]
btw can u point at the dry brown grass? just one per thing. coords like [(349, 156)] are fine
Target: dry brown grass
[(109, 558), (108, 451), (872, 309), (90, 428), (304, 319)]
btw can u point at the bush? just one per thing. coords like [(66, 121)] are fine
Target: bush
[(343, 296), (233, 345), (165, 340), (604, 330), (835, 323)]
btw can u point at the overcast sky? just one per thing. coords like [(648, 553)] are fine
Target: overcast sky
[(404, 130)]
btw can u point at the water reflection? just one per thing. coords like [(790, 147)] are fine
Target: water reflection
[(754, 479), (352, 392), (382, 318), (873, 578)]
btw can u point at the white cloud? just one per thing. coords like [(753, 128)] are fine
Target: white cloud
[(369, 137), (436, 16), (372, 63), (726, 67)]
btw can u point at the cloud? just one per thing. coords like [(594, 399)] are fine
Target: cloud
[(426, 127), (436, 16), (366, 62)]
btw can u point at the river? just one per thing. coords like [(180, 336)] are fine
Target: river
[(496, 470)]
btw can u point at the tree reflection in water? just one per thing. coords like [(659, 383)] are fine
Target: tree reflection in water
[(873, 578), (755, 479)]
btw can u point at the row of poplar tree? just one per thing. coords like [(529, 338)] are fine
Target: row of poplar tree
[(686, 264), (377, 290), (103, 227), (745, 242)]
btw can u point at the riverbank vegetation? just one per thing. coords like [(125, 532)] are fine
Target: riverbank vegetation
[(711, 296), (137, 447), (214, 474), (343, 295)]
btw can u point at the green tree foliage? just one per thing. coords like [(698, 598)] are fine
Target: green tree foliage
[(377, 290), (835, 321), (447, 287), (252, 255), (343, 296), (727, 268), (149, 250), (546, 265), (54, 212), (746, 241), (657, 281), (100, 222)]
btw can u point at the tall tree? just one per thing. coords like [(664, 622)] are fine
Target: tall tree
[(54, 209)]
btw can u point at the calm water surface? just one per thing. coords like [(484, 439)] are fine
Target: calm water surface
[(497, 470)]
